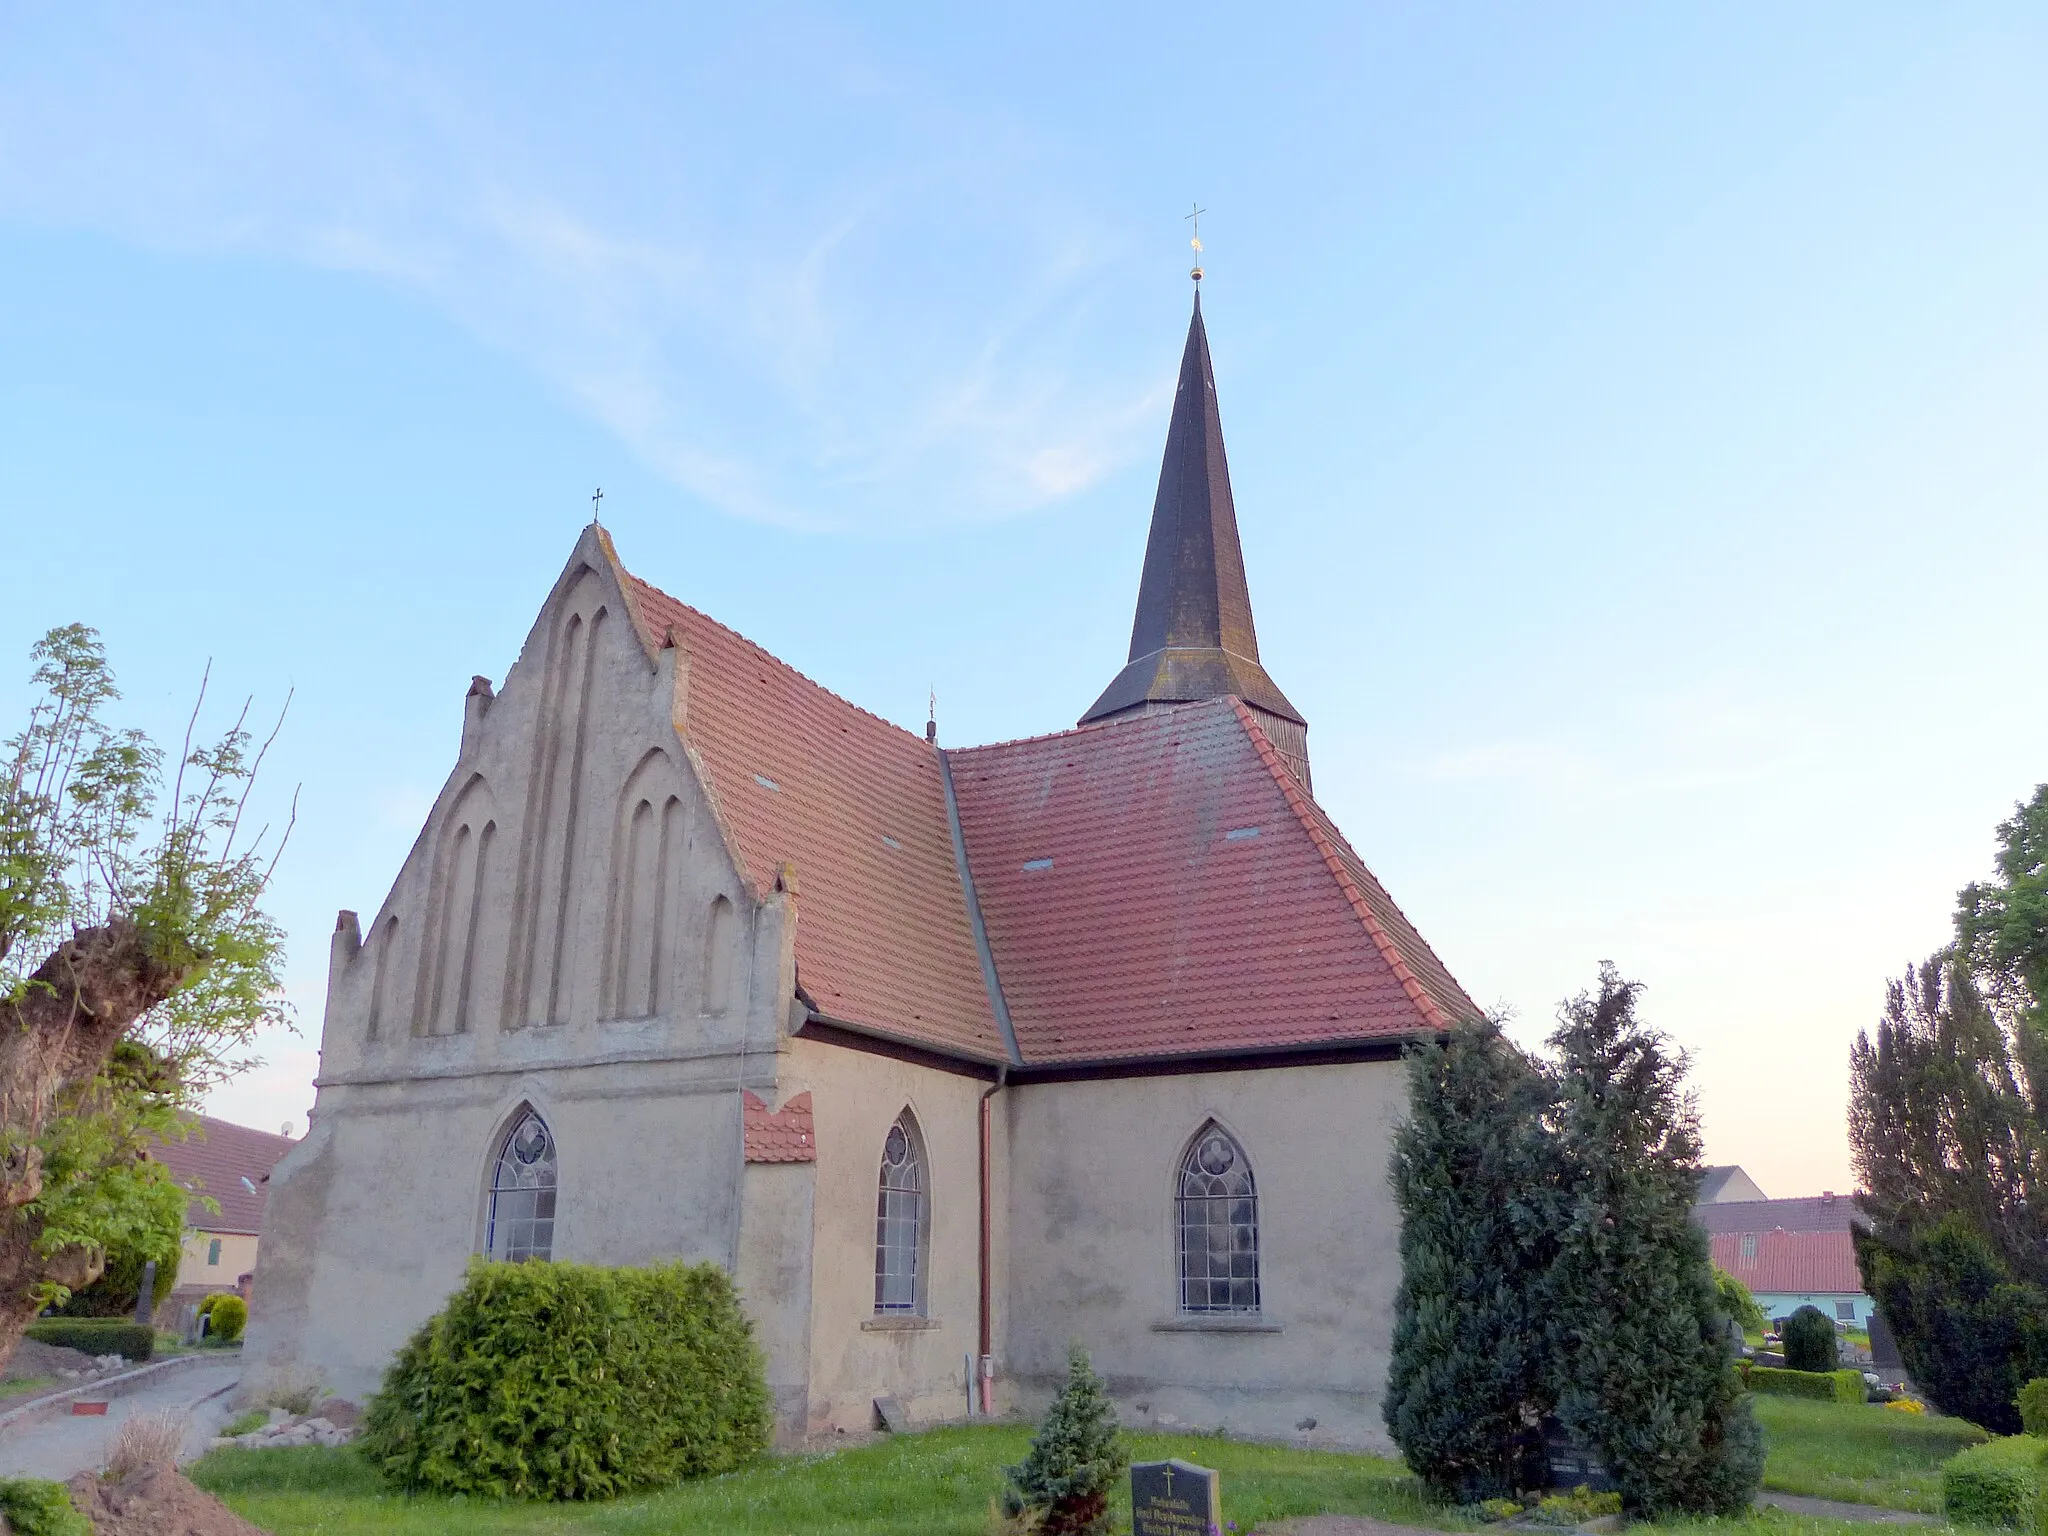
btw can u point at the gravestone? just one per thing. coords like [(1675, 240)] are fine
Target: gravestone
[(145, 1303), (1573, 1465), (1174, 1498), (1884, 1349)]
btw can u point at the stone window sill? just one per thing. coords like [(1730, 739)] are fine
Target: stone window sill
[(1217, 1322), (900, 1323)]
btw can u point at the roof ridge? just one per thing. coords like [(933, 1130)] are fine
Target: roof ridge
[(762, 650), (1297, 803), (1108, 723)]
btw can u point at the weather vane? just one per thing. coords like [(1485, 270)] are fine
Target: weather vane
[(1195, 219)]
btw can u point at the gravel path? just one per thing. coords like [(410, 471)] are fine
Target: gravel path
[(58, 1444)]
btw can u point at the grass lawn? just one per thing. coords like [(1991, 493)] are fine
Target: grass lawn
[(1862, 1453), (937, 1483), (16, 1386)]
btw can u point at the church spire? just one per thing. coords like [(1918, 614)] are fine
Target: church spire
[(1193, 636)]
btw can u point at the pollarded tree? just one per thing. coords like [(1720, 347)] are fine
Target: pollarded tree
[(1476, 1180), (135, 970), (1637, 1338)]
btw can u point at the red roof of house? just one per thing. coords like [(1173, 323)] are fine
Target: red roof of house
[(779, 1136), (1155, 885), (1814, 1213), (1158, 885), (856, 805), (1790, 1263), (214, 1160)]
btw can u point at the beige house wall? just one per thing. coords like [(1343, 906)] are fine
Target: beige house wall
[(237, 1258), (1092, 1253), (855, 1355)]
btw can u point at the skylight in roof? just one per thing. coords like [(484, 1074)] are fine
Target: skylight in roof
[(1038, 863), (767, 783), (890, 842), (1239, 834)]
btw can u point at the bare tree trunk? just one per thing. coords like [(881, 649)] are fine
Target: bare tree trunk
[(55, 1039)]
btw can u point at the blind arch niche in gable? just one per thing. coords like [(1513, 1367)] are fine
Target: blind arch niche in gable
[(1216, 1224), (520, 1222), (649, 850)]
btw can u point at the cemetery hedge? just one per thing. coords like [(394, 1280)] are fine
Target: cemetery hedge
[(95, 1336), (1824, 1386), (571, 1381), (1996, 1483)]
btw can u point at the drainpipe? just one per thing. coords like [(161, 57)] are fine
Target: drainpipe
[(986, 1360)]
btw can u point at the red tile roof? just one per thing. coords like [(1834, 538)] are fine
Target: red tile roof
[(1152, 886), (214, 1160), (857, 806), (1157, 885), (1814, 1213), (1791, 1263), (779, 1136)]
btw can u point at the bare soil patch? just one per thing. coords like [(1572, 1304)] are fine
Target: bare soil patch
[(33, 1358), (154, 1501)]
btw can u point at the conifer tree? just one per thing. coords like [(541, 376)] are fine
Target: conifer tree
[(1637, 1338), (1475, 1181), (1076, 1458)]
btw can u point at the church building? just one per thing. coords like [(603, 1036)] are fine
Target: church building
[(949, 1055)]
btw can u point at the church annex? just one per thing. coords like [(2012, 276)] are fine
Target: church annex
[(950, 1056)]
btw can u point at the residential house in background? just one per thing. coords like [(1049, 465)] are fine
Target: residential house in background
[(229, 1164), (1727, 1183), (1791, 1253)]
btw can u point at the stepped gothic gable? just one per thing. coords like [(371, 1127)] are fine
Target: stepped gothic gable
[(948, 1055)]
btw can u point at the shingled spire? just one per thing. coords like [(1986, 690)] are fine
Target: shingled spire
[(1193, 636)]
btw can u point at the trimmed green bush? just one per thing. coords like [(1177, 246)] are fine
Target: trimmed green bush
[(230, 1315), (1810, 1341), (1996, 1483), (2033, 1406), (1824, 1386), (570, 1381), (37, 1508), (95, 1336)]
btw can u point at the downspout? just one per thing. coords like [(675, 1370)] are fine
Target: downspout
[(986, 1358)]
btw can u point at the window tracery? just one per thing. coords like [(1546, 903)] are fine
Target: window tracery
[(900, 1216), (1216, 1212), (521, 1221)]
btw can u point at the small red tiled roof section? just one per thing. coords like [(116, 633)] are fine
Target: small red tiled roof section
[(782, 1135), (1810, 1213), (1157, 885), (1790, 1263), (858, 807), (214, 1160)]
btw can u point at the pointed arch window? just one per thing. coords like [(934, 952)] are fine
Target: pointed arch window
[(901, 1221), (521, 1223), (1217, 1218)]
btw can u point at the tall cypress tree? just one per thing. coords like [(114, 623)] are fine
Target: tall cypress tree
[(1637, 1339), (1474, 1179)]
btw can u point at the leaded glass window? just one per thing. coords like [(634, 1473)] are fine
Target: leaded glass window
[(899, 1220), (1217, 1214), (521, 1225)]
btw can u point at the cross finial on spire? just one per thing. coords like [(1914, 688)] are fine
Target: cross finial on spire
[(596, 498), (1195, 219)]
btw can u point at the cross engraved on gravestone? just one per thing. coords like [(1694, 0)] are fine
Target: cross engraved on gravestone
[(1175, 1498)]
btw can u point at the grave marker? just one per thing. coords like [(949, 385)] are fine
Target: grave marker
[(1174, 1498)]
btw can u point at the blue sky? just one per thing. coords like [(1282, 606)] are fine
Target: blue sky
[(1635, 415)]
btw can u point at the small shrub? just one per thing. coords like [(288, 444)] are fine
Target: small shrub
[(37, 1508), (1076, 1458), (1823, 1386), (1810, 1341), (571, 1381), (230, 1315), (1996, 1483), (95, 1336), (2033, 1406), (146, 1440), (1576, 1508), (1495, 1510)]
